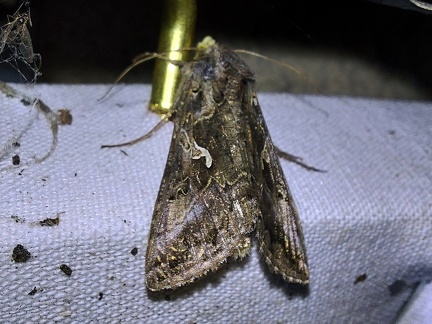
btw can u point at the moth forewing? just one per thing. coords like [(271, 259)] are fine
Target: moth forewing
[(202, 215), (206, 212), (279, 232)]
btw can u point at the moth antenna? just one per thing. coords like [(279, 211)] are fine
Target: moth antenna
[(126, 71), (163, 55), (144, 57), (285, 65)]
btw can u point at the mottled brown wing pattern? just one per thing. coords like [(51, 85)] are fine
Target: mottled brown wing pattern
[(207, 204), (279, 232), (221, 181)]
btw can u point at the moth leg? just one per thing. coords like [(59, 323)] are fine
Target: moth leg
[(139, 139), (297, 160)]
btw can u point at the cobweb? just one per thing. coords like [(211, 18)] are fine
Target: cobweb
[(16, 48), (20, 125), (20, 111)]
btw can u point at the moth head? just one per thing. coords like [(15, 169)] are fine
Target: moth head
[(205, 69)]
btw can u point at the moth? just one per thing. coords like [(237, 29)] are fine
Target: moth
[(222, 181)]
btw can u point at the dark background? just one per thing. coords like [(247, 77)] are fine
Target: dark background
[(356, 48)]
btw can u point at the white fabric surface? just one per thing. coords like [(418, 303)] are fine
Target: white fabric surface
[(369, 214)]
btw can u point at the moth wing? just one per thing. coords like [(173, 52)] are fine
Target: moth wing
[(203, 214), (280, 235)]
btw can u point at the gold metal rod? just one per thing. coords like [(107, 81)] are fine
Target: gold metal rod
[(177, 32)]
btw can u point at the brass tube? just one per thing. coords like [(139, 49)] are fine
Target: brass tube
[(177, 32)]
